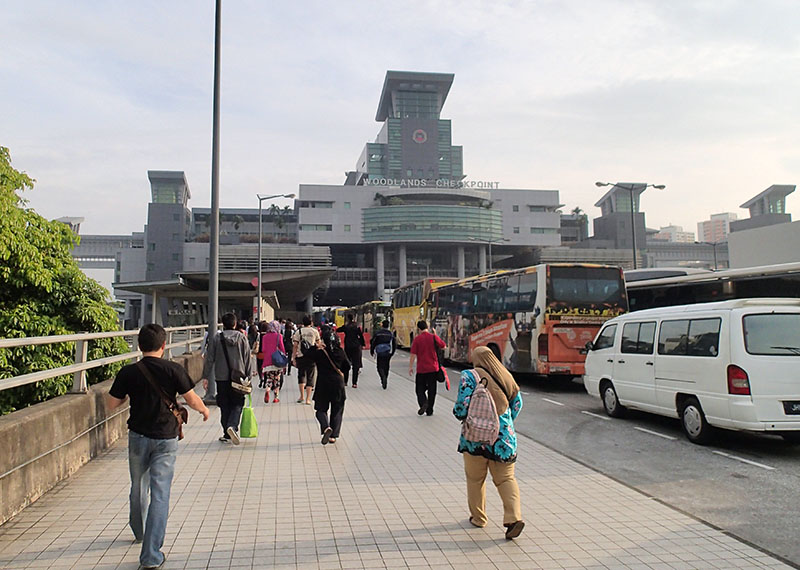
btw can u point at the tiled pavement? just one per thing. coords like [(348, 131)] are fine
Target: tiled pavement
[(389, 494)]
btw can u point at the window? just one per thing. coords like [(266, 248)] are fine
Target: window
[(152, 246), (315, 228), (176, 217), (515, 229), (695, 337), (347, 227), (174, 257), (526, 294), (347, 205), (773, 334), (637, 338), (515, 208), (606, 338)]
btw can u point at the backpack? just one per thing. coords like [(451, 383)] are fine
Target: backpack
[(482, 424), (383, 348)]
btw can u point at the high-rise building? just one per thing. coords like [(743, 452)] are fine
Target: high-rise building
[(673, 234), (715, 229)]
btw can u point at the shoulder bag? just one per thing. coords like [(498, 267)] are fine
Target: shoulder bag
[(180, 412)]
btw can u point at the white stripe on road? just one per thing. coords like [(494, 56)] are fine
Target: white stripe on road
[(598, 416), (655, 433), (743, 460), (552, 401)]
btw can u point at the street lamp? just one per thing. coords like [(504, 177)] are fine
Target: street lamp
[(427, 267), (630, 186), (490, 242), (260, 234), (713, 245)]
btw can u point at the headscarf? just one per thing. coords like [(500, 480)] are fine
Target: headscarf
[(487, 366), (273, 326)]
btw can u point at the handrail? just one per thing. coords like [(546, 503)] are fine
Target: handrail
[(81, 365)]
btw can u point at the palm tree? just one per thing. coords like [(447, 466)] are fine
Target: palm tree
[(274, 217)]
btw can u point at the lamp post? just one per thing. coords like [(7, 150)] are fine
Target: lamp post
[(713, 245), (630, 187), (490, 242), (260, 234), (427, 267)]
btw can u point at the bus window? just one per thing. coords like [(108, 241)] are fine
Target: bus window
[(526, 294)]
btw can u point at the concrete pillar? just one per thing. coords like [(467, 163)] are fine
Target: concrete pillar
[(481, 259), (461, 270), (156, 318), (310, 305), (380, 271), (401, 261)]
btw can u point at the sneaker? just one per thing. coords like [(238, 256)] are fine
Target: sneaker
[(234, 435), (224, 439), (266, 398), (420, 411), (276, 400), (326, 435), (513, 530)]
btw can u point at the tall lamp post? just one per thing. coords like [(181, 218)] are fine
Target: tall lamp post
[(260, 235), (630, 187), (713, 245), (490, 242), (427, 267)]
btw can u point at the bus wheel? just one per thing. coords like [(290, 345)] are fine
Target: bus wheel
[(610, 401), (694, 423)]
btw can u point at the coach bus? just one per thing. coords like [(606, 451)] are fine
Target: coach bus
[(409, 305), (370, 315), (536, 319), (781, 280)]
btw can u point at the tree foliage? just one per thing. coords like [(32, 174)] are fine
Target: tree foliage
[(42, 293)]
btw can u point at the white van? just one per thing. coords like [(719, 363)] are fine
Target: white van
[(729, 364)]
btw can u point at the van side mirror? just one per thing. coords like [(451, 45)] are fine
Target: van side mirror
[(587, 347)]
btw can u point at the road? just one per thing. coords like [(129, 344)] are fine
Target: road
[(745, 484)]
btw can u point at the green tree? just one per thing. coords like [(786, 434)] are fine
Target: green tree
[(42, 293)]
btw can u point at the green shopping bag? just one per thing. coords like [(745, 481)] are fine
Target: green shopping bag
[(249, 427)]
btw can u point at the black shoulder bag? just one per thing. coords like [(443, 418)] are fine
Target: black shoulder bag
[(181, 413)]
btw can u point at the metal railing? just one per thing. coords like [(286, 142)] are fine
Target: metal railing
[(176, 337)]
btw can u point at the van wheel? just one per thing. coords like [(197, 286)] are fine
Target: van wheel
[(694, 423), (610, 401)]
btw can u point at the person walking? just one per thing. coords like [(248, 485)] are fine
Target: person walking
[(353, 345), (424, 351), (332, 366), (303, 340), (271, 340), (288, 331), (227, 351), (499, 456), (383, 344), (153, 432)]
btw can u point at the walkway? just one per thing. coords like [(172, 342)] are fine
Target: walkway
[(389, 494)]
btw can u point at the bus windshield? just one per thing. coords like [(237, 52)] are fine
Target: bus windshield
[(586, 286)]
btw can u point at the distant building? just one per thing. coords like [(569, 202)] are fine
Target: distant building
[(715, 229), (766, 209), (73, 223), (574, 228), (673, 234)]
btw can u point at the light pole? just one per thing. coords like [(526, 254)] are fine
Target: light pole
[(260, 234), (427, 267), (713, 245), (630, 187), (490, 242)]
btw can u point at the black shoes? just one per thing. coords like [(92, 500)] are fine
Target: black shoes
[(420, 411), (513, 530), (326, 436)]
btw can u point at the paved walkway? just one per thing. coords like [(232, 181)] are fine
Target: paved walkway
[(389, 494)]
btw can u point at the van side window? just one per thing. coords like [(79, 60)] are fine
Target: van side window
[(695, 337), (606, 338), (637, 338), (704, 337)]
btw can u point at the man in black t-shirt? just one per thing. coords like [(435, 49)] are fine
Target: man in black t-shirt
[(152, 437)]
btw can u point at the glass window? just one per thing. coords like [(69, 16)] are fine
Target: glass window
[(773, 334), (606, 337), (630, 338), (673, 337), (347, 227), (516, 229), (526, 294), (586, 286), (647, 335), (347, 205), (704, 337), (515, 208)]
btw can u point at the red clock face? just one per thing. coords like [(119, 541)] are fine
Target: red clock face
[(419, 136)]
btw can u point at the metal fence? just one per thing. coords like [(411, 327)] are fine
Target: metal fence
[(176, 337)]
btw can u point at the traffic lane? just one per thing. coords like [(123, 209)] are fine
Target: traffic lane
[(746, 499)]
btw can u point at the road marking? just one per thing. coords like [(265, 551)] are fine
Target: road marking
[(598, 416), (655, 433), (743, 460), (552, 401)]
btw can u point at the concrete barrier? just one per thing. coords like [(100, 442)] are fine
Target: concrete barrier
[(46, 443)]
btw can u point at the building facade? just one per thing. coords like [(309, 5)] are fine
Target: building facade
[(673, 234), (408, 212), (716, 228)]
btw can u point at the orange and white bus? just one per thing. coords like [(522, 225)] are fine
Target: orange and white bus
[(536, 319), (409, 305)]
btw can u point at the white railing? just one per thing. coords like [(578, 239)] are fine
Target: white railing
[(176, 337)]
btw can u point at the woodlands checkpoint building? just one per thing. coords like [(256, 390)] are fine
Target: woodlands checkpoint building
[(406, 212)]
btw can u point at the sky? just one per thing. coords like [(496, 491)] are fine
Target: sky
[(700, 96)]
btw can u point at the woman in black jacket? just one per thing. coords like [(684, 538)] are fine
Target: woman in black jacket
[(332, 367)]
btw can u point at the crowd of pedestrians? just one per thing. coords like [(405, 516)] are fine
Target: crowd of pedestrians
[(488, 402)]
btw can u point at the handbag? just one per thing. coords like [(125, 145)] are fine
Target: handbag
[(180, 412), (441, 374), (239, 382), (279, 358), (249, 426)]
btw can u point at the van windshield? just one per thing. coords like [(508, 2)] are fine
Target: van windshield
[(772, 334)]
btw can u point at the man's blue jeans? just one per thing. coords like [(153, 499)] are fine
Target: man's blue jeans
[(152, 464)]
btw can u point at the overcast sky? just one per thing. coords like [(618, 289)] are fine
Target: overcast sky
[(701, 96)]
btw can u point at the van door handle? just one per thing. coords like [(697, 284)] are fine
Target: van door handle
[(649, 363), (621, 361), (610, 360)]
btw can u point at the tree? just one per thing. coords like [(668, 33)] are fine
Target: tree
[(42, 293)]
